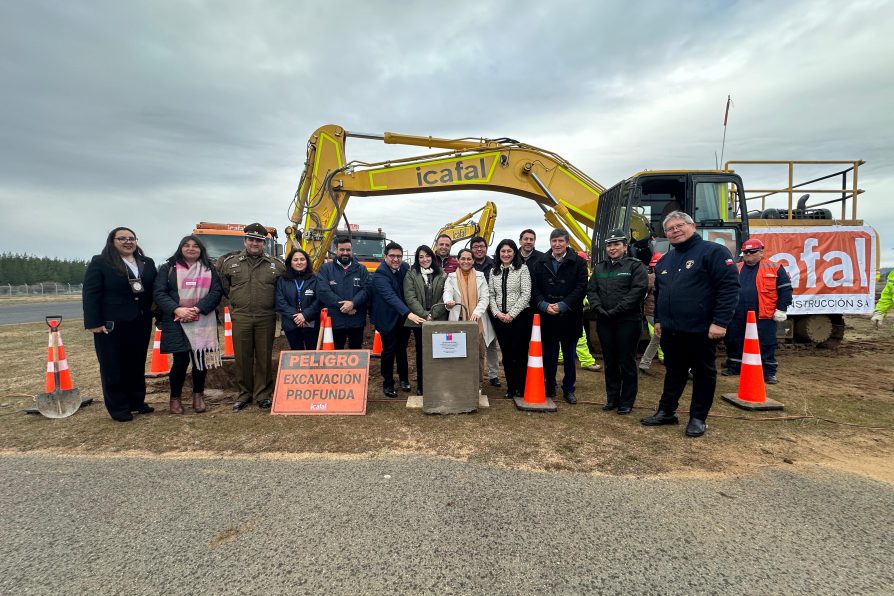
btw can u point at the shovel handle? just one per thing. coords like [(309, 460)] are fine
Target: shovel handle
[(54, 333), (54, 322)]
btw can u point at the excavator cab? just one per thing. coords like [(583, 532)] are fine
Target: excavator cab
[(715, 200)]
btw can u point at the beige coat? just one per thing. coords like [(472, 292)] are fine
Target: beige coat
[(451, 292)]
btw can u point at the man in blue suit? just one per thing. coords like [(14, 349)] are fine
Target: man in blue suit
[(389, 313)]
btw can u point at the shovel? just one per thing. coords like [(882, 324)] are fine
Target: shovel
[(59, 403)]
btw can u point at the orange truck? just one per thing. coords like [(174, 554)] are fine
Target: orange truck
[(223, 238), (368, 246)]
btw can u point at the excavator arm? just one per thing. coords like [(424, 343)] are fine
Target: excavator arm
[(464, 228), (566, 194)]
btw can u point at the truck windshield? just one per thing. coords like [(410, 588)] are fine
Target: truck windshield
[(365, 247), (217, 246)]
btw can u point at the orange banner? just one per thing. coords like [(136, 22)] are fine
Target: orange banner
[(321, 382), (832, 270)]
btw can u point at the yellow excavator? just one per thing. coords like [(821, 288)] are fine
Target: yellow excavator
[(569, 198), (464, 228)]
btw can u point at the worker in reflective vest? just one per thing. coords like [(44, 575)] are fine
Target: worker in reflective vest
[(766, 288)]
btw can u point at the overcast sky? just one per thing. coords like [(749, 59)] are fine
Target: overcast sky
[(157, 115)]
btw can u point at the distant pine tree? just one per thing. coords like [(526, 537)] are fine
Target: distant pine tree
[(16, 269)]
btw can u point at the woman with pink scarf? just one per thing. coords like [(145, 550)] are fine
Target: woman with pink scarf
[(187, 290)]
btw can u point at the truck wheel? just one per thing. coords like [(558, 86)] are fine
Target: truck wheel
[(837, 333), (814, 329)]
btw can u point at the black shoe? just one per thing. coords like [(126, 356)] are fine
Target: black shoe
[(729, 373), (144, 409), (771, 380), (126, 417), (405, 386), (550, 393), (624, 410), (696, 427), (609, 406), (265, 404), (241, 405), (495, 382), (389, 392), (570, 397), (660, 418)]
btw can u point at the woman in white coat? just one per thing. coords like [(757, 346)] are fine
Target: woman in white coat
[(468, 287)]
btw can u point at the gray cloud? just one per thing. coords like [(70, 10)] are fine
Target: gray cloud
[(169, 113)]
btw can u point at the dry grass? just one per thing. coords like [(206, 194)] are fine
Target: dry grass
[(852, 386)]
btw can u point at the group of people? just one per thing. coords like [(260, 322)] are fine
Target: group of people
[(693, 292)]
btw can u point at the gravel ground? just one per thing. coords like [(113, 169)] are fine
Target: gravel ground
[(129, 525)]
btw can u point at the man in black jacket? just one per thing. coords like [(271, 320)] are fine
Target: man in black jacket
[(616, 293), (696, 291), (529, 255), (342, 287), (558, 285)]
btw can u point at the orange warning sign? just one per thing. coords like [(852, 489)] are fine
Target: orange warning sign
[(321, 382)]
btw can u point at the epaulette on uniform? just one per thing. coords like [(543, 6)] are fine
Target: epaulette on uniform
[(226, 258)]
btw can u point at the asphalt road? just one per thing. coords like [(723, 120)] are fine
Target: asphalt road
[(35, 312), (419, 525)]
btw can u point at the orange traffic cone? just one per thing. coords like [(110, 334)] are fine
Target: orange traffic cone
[(64, 372), (535, 399), (229, 353), (160, 364), (752, 390), (377, 346), (328, 341)]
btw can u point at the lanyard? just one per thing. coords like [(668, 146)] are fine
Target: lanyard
[(298, 287)]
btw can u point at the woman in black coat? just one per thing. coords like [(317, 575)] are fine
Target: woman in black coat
[(296, 301), (117, 301), (187, 292)]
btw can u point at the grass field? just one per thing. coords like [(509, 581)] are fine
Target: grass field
[(839, 412)]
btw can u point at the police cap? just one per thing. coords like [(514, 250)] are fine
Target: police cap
[(616, 235), (255, 230)]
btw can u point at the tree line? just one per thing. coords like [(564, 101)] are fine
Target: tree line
[(16, 269)]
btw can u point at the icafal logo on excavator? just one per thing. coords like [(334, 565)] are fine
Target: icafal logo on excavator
[(459, 172)]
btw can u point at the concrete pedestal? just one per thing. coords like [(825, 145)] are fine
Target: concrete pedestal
[(451, 383)]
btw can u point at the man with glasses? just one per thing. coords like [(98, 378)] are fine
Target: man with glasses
[(249, 281), (696, 290), (765, 288), (389, 312)]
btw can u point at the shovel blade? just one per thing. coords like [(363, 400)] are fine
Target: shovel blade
[(61, 403)]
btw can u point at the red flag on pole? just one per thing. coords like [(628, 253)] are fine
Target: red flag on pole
[(726, 113)]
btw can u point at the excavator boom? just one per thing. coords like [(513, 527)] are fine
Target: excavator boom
[(500, 165), (463, 228)]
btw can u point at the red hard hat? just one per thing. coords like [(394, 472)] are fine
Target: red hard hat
[(583, 255), (752, 244), (655, 257)]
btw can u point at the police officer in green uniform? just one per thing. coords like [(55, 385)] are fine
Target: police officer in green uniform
[(249, 281)]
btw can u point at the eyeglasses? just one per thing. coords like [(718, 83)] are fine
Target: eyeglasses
[(125, 240), (751, 251), (676, 227)]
